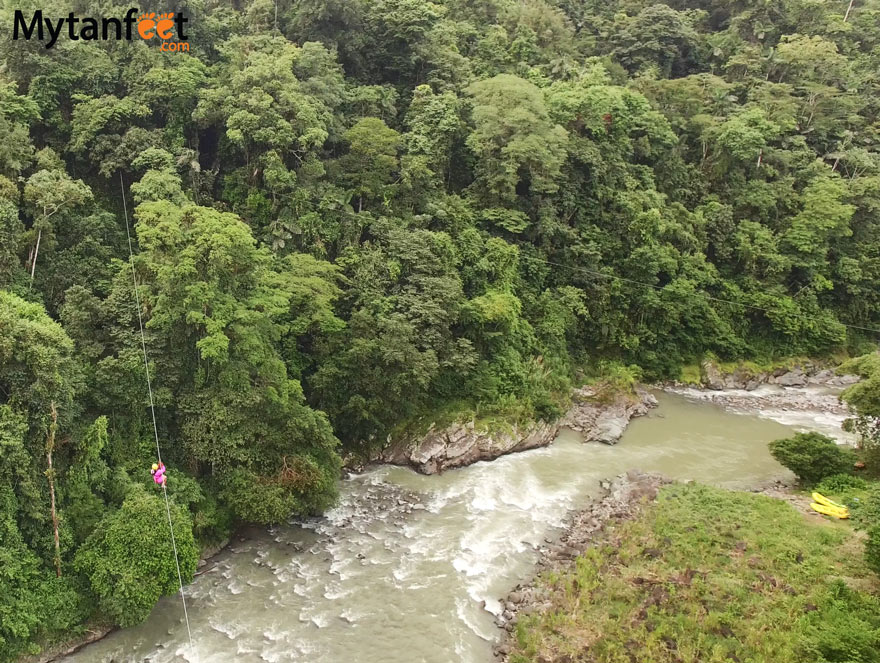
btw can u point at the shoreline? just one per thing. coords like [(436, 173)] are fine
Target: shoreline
[(600, 413), (631, 550)]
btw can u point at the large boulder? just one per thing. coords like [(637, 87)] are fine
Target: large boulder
[(711, 376), (793, 378), (603, 417)]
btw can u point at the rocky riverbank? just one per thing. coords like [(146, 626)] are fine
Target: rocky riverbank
[(648, 573), (805, 396), (600, 415), (791, 399), (93, 633), (747, 378), (624, 497)]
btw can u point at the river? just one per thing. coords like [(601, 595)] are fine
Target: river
[(408, 568)]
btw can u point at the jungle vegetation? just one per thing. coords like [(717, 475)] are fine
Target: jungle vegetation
[(349, 213)]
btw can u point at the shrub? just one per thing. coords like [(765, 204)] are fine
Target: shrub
[(812, 456), (838, 484)]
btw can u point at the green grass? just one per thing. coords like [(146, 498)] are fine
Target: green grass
[(707, 575), (691, 374)]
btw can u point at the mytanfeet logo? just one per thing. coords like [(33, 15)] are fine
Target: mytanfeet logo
[(165, 27)]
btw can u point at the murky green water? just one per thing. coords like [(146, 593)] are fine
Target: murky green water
[(401, 570)]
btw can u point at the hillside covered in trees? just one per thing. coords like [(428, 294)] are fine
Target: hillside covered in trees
[(350, 213)]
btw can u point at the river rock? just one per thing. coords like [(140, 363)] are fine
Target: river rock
[(822, 377), (711, 376), (793, 378), (790, 400), (600, 417), (843, 380), (808, 373)]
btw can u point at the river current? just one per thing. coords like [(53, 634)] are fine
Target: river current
[(408, 568)]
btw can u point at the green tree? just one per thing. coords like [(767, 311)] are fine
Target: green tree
[(16, 114), (214, 303), (49, 192), (515, 141), (864, 398), (812, 456), (371, 163)]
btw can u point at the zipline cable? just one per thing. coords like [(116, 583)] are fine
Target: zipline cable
[(137, 299), (699, 293)]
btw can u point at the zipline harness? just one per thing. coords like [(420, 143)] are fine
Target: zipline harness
[(137, 300)]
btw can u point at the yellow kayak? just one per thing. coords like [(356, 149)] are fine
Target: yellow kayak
[(834, 512), (821, 499)]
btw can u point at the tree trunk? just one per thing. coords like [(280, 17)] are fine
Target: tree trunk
[(36, 253), (848, 10), (50, 474)]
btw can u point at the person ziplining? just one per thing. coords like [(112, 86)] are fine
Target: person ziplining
[(158, 472)]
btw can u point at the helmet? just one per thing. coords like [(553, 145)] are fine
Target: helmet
[(155, 466)]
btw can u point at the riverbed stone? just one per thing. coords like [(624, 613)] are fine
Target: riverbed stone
[(752, 384), (461, 444), (793, 378)]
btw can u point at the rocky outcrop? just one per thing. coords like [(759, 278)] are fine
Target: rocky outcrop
[(713, 378), (603, 417), (462, 444), (599, 415), (624, 498)]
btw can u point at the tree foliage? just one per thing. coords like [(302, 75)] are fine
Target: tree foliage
[(812, 456)]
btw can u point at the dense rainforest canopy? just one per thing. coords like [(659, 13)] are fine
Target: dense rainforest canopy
[(350, 213)]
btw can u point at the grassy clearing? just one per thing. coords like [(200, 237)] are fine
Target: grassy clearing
[(708, 575)]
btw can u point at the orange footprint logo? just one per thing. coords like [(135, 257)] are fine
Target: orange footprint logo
[(164, 24), (149, 25), (146, 24)]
